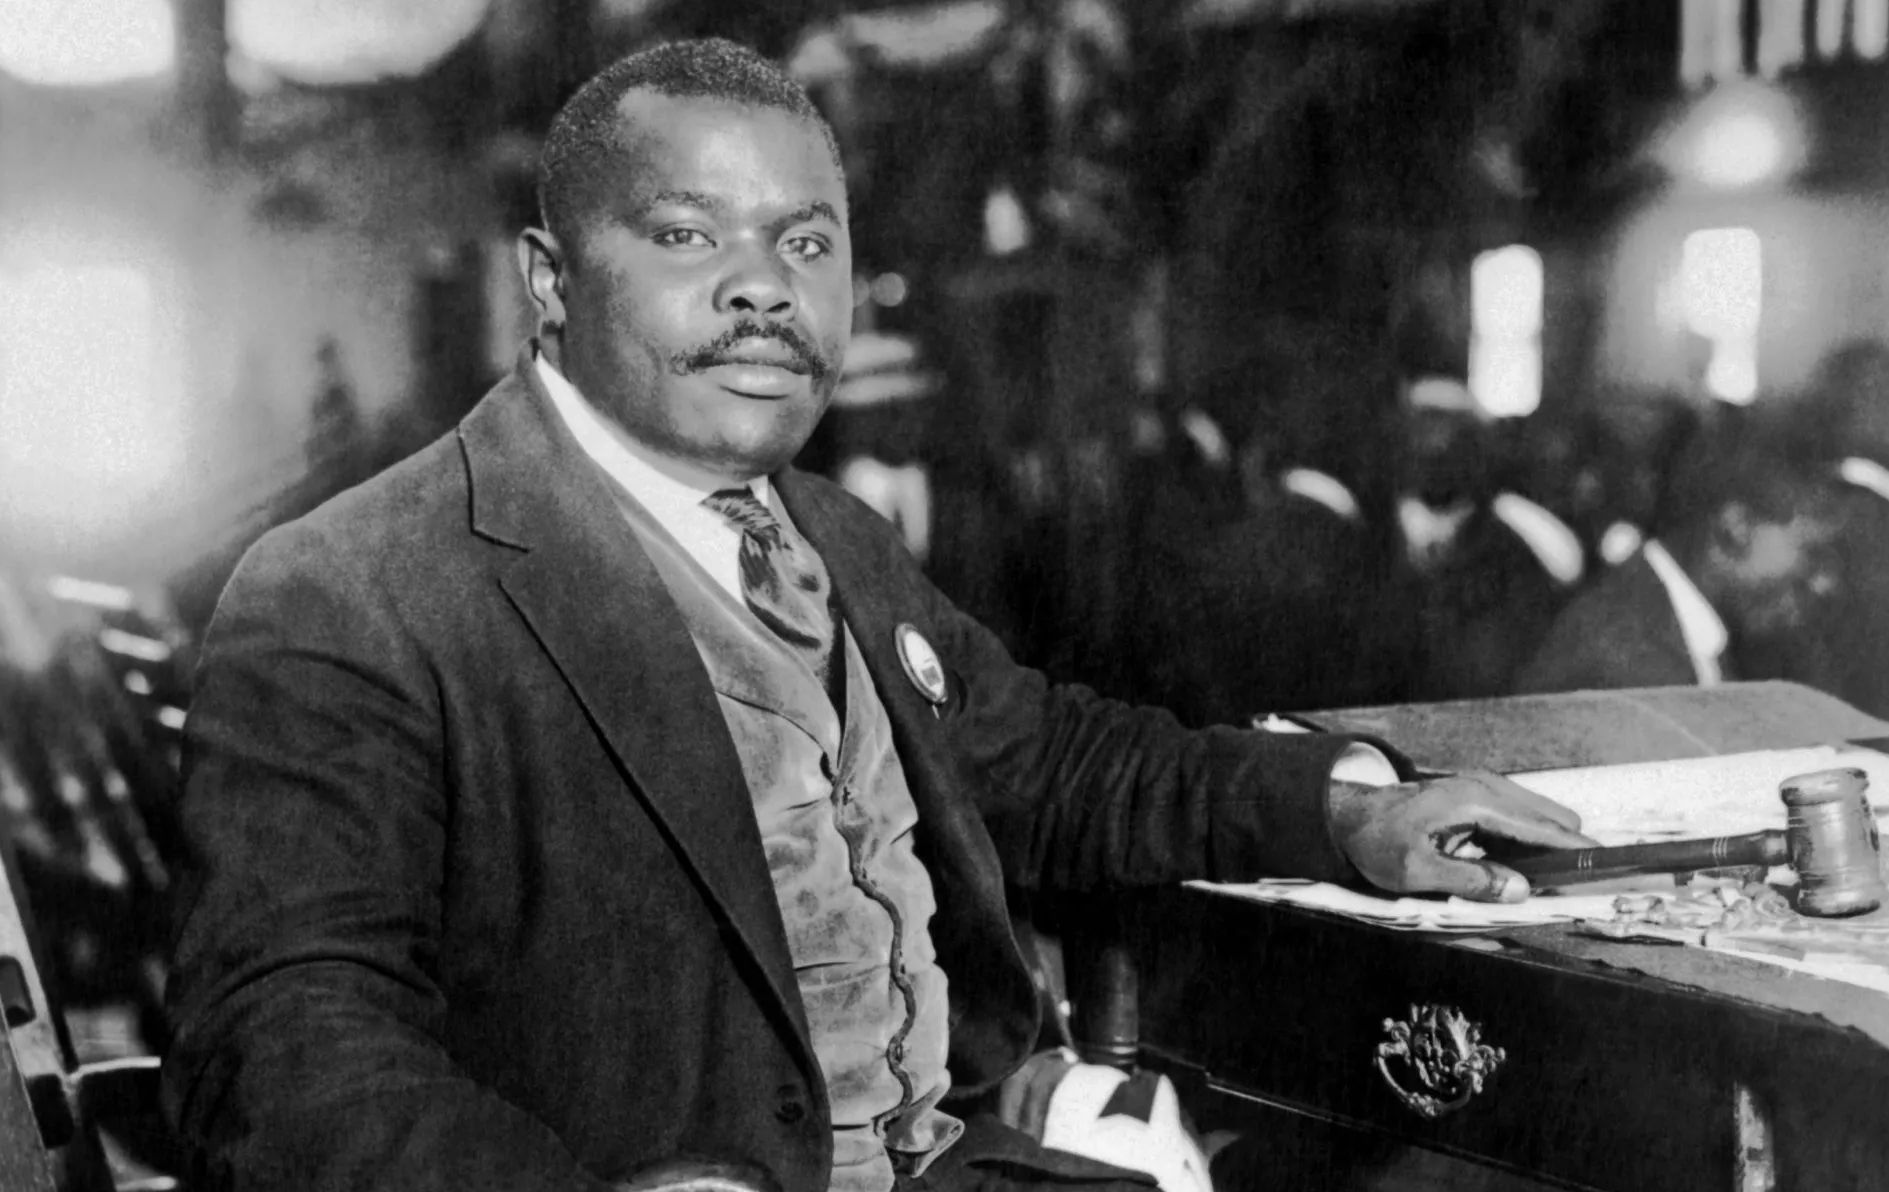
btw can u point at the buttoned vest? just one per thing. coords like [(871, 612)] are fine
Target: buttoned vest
[(837, 823)]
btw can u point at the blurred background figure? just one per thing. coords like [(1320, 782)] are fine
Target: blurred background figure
[(1731, 586), (1849, 409), (93, 685), (335, 443), (875, 433), (1486, 568)]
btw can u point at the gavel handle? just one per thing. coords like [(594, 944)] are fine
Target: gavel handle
[(1566, 866)]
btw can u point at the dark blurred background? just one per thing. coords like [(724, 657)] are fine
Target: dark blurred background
[(1236, 355)]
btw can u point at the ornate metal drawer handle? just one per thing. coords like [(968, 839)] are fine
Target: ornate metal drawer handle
[(1442, 1056)]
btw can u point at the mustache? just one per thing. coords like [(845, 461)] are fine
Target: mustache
[(807, 360)]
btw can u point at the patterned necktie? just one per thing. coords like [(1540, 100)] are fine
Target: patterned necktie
[(784, 581)]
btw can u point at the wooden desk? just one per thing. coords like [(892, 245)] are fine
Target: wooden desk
[(1608, 1079)]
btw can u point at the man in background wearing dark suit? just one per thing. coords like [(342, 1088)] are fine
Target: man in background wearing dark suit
[(1850, 408), (1739, 571), (592, 790)]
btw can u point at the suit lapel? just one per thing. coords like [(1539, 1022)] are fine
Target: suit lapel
[(595, 602)]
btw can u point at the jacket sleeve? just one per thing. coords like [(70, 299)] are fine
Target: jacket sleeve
[(1083, 792), (307, 1015)]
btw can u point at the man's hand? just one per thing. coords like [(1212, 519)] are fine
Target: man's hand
[(1405, 838)]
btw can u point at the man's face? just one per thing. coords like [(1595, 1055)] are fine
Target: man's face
[(1445, 456), (1785, 573), (705, 290)]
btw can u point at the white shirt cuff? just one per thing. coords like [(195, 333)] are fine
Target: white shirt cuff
[(1364, 765)]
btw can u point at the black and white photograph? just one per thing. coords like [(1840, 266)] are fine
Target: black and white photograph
[(944, 595)]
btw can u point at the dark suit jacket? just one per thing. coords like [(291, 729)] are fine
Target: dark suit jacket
[(1481, 613), (1855, 628), (481, 902), (1619, 632)]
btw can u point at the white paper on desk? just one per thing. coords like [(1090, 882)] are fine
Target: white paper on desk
[(1695, 796), (1421, 914)]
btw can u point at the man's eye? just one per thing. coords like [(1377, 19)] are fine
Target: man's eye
[(807, 248), (682, 238)]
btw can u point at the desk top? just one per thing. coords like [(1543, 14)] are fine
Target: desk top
[(1595, 728)]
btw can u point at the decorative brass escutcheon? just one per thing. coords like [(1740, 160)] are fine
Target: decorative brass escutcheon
[(1441, 1056)]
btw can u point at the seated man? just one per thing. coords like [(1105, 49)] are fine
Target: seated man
[(1740, 564), (593, 790)]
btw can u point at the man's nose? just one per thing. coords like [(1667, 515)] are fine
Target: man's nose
[(756, 284)]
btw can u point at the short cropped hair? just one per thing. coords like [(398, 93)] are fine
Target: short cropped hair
[(584, 131), (1772, 485)]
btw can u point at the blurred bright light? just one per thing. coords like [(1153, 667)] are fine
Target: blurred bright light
[(1505, 376), (1721, 292), (1871, 33), (1619, 542), (1742, 149), (350, 41), (1721, 281), (87, 436), (1732, 373), (86, 42), (1830, 14), (1006, 225), (98, 595), (889, 289), (1505, 291), (1780, 36), (1505, 298), (1740, 135)]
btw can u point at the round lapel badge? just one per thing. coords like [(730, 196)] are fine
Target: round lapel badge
[(921, 663)]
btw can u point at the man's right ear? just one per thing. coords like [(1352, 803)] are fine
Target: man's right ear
[(541, 262)]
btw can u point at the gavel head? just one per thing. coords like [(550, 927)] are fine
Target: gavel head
[(1833, 842)]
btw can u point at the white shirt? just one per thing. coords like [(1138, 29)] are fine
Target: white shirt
[(1866, 473), (1699, 623), (1547, 537), (672, 491)]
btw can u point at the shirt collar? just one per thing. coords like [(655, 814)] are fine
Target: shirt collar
[(1699, 623), (1866, 473), (1429, 531), (665, 487)]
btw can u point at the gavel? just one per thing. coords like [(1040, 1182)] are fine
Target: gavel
[(1829, 838)]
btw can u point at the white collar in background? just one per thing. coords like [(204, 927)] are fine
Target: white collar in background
[(1866, 473), (1699, 623), (1324, 488), (1556, 547), (1429, 532)]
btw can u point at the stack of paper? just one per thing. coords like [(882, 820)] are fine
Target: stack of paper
[(1696, 796), (1423, 914)]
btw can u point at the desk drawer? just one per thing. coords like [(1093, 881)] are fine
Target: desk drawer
[(1602, 1081)]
